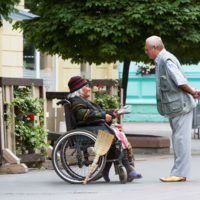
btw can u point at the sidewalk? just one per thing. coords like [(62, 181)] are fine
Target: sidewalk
[(47, 185), (158, 129)]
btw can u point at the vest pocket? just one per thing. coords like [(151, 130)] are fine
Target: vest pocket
[(167, 108), (172, 107), (164, 85), (165, 88), (159, 107), (176, 106)]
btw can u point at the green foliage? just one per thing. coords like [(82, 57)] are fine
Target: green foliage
[(33, 135), (111, 30), (106, 100), (6, 7), (24, 101)]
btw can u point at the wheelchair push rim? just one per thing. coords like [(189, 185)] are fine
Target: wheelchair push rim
[(73, 155)]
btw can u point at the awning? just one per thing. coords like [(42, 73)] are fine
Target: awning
[(21, 15)]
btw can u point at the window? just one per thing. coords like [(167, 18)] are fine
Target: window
[(28, 4), (29, 55), (86, 70)]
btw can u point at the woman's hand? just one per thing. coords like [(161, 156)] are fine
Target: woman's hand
[(108, 118), (115, 113)]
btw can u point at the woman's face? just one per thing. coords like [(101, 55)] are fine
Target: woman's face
[(86, 91)]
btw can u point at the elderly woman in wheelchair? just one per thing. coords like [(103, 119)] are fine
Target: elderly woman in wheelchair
[(75, 148)]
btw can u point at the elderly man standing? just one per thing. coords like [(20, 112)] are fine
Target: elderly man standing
[(175, 100)]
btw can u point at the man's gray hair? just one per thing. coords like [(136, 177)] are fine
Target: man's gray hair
[(77, 93), (155, 41)]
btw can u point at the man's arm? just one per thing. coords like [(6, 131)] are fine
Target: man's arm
[(180, 80), (188, 89), (175, 74)]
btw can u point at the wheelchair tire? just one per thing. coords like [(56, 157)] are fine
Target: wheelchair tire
[(131, 179), (73, 155), (122, 175), (99, 177)]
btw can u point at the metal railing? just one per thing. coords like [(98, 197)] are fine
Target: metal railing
[(196, 120)]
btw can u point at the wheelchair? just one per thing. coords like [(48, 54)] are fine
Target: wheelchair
[(73, 152)]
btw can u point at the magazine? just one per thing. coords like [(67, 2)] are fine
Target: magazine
[(125, 110)]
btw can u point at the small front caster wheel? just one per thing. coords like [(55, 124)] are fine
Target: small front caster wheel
[(122, 175)]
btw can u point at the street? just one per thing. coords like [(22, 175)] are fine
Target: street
[(47, 185)]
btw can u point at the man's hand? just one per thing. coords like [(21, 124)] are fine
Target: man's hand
[(190, 90), (197, 96), (115, 113), (108, 118)]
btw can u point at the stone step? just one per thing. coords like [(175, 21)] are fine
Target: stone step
[(149, 144)]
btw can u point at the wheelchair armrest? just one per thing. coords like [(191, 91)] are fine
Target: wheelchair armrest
[(96, 122), (90, 122), (63, 102)]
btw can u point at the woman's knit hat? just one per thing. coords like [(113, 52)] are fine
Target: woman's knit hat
[(76, 82)]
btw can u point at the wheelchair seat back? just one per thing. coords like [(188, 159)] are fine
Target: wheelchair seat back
[(69, 116)]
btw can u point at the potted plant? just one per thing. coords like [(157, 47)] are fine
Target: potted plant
[(146, 69), (106, 100)]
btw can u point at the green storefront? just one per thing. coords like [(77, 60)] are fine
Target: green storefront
[(141, 93)]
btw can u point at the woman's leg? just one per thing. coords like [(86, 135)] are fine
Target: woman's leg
[(106, 171), (130, 172), (125, 161)]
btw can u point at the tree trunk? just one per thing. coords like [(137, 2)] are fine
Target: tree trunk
[(125, 79)]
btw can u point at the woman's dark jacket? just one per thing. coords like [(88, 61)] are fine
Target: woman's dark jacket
[(85, 110)]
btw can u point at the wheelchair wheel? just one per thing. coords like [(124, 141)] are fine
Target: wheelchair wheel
[(131, 179), (73, 155), (99, 177), (122, 175)]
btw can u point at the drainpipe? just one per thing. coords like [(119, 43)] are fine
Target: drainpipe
[(37, 63), (56, 72)]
